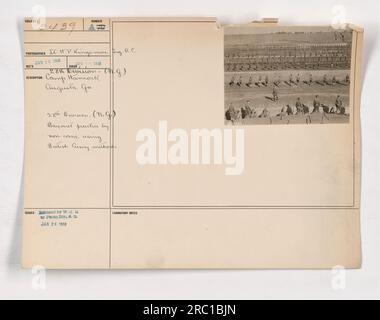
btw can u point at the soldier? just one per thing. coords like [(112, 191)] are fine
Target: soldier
[(253, 112), (298, 79), (266, 81), (237, 116), (264, 113), (299, 106), (240, 82), (260, 81), (275, 94), (310, 79), (244, 113), (289, 110), (308, 118), (338, 105), (294, 110), (230, 113), (232, 82), (348, 79), (334, 80), (325, 79), (284, 112), (279, 80), (291, 79), (250, 83), (250, 111), (316, 104)]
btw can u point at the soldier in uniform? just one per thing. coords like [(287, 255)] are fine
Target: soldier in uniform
[(250, 83), (283, 113), (230, 113), (232, 82), (316, 104), (299, 106), (298, 79), (253, 112), (291, 79), (260, 81), (266, 81), (240, 82), (243, 113), (277, 82), (294, 110), (250, 111), (264, 113), (275, 94), (237, 116), (338, 105), (289, 110), (310, 79), (325, 81)]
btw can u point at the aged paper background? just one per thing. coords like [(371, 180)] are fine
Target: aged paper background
[(128, 216)]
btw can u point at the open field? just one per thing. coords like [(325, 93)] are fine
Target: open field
[(288, 75), (260, 95), (315, 118), (284, 76)]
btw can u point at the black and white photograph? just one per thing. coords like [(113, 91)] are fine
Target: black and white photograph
[(287, 75)]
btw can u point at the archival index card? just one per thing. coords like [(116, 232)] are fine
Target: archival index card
[(156, 143)]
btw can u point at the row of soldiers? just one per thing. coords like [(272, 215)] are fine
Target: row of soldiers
[(342, 63), (248, 111), (295, 80), (318, 106), (299, 108)]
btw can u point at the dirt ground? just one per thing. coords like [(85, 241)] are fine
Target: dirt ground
[(315, 118), (261, 96)]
